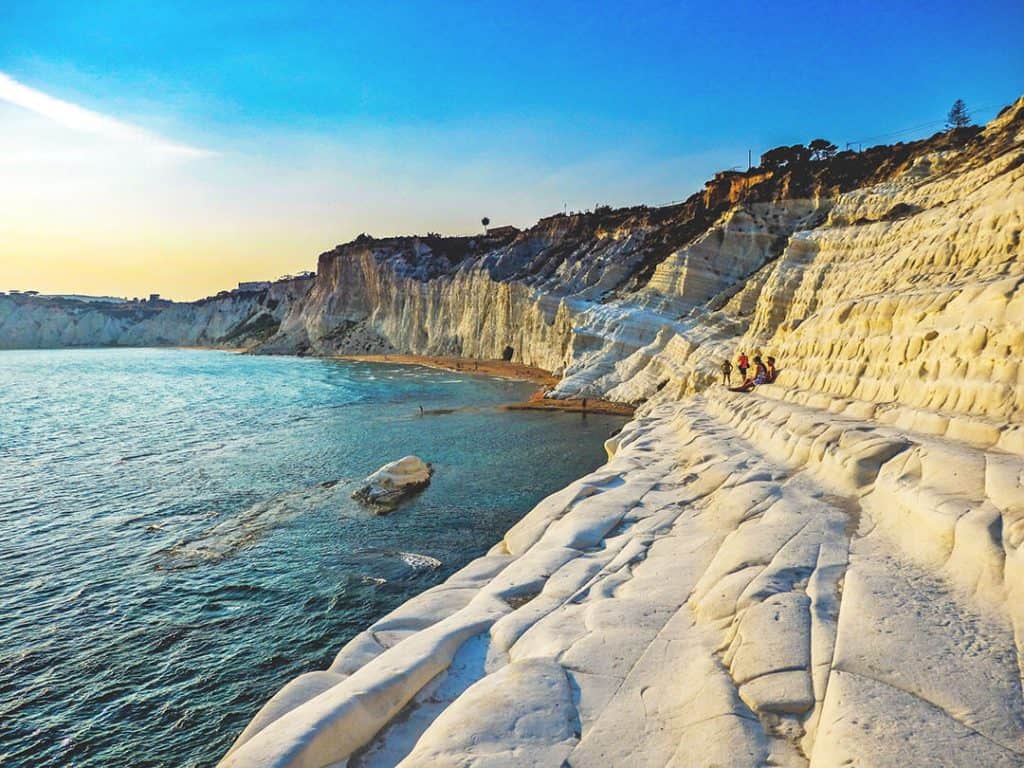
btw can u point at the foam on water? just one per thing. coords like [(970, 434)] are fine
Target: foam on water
[(178, 539), (419, 561)]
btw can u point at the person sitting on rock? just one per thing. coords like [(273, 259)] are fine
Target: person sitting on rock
[(760, 377), (726, 372), (770, 365), (760, 371)]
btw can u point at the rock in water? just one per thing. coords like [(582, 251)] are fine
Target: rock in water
[(393, 482)]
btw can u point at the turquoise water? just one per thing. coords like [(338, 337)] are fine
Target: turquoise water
[(177, 539)]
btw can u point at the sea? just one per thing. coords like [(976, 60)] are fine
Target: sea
[(178, 540)]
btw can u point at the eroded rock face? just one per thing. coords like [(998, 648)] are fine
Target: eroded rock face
[(395, 481), (827, 571)]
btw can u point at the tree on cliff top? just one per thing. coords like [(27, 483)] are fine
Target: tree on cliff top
[(958, 116), (785, 157), (822, 149)]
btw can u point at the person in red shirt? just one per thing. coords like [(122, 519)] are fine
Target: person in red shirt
[(743, 364)]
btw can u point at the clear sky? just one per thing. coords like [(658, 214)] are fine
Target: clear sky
[(181, 147)]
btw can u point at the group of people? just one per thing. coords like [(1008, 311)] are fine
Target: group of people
[(763, 372)]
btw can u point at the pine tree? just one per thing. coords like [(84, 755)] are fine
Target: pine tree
[(958, 116), (822, 149)]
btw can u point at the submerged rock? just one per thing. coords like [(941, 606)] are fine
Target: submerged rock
[(393, 482)]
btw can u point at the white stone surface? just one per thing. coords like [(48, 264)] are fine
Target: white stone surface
[(524, 716)]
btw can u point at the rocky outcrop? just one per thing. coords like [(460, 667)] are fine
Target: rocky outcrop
[(826, 571), (235, 319), (394, 481)]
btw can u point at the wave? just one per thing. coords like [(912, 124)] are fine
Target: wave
[(388, 569)]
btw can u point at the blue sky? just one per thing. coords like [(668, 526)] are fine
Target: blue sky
[(318, 121)]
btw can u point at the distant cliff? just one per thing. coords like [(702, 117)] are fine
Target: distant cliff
[(236, 319)]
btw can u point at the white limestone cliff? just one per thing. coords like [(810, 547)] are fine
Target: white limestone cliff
[(236, 319), (827, 571)]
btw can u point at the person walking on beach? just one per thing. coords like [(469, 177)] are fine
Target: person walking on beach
[(744, 365), (726, 372)]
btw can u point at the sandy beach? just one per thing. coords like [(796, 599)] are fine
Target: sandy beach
[(500, 368), (508, 370)]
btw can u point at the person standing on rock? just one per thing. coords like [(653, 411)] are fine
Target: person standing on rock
[(744, 365), (726, 372)]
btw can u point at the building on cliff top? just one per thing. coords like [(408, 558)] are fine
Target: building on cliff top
[(254, 285), (508, 229)]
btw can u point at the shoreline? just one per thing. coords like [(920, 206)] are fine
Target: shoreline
[(500, 368), (203, 348), (574, 405), (506, 370)]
